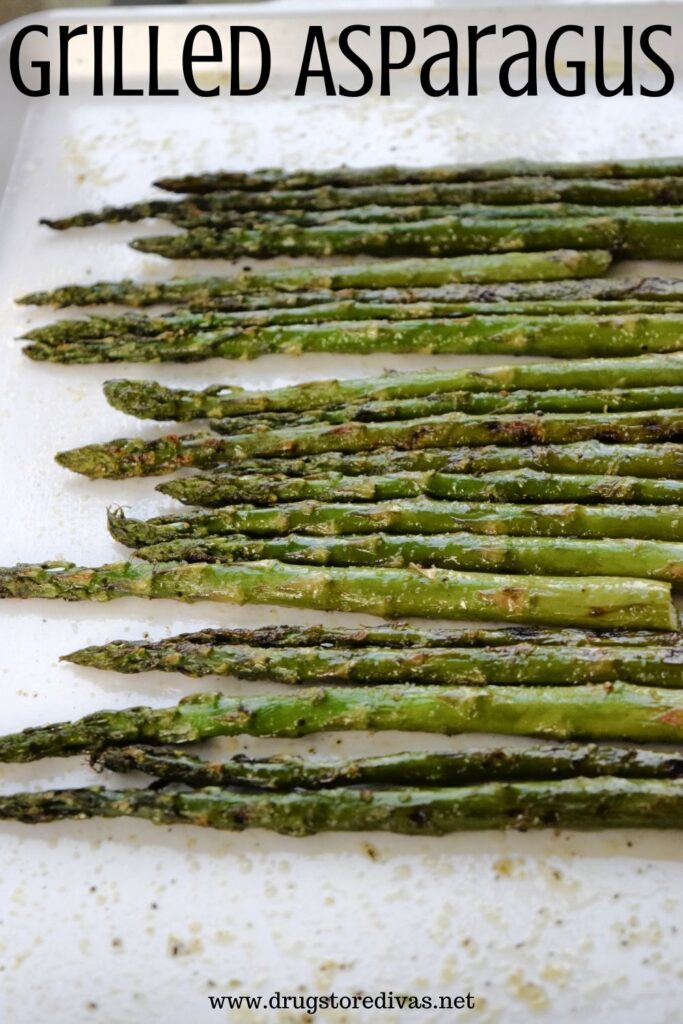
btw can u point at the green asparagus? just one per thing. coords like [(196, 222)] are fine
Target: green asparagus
[(612, 292), (594, 712), (174, 328), (648, 460), (591, 601), (447, 236), (419, 516), (471, 402), (579, 336), (585, 804), (456, 768), (387, 174), (186, 214), (400, 636), (519, 485), (472, 552), (556, 265), (150, 400), (634, 191), (519, 664), (181, 324), (126, 457)]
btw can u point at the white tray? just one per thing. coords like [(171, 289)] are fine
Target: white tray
[(123, 921)]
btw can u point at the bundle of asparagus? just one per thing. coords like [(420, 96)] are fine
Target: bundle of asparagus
[(592, 786), (585, 711), (348, 495), (543, 267), (430, 211), (597, 787), (520, 663), (601, 602), (564, 378)]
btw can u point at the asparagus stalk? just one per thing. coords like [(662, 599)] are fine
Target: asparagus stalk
[(520, 664), (592, 602), (471, 402), (557, 265), (180, 325), (187, 215), (399, 636), (653, 461), (579, 336), (635, 191), (388, 174), (592, 712), (586, 804), (535, 556), (419, 516), (474, 403), (583, 293), (447, 236), (126, 457), (457, 768), (173, 328), (150, 400), (154, 401), (519, 485), (614, 293)]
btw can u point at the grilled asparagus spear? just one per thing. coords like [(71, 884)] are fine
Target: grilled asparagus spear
[(634, 191), (555, 265), (399, 636), (586, 804), (472, 552), (446, 236), (126, 457), (594, 712), (419, 516), (518, 664), (590, 601), (150, 400), (456, 768), (345, 177), (518, 485), (654, 461)]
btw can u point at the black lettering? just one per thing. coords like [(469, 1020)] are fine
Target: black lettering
[(43, 66), (358, 62), (66, 34), (657, 60), (236, 33), (190, 58), (474, 34), (119, 88), (154, 89), (387, 65), (550, 70), (451, 55), (315, 38), (626, 85), (98, 62), (530, 55)]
